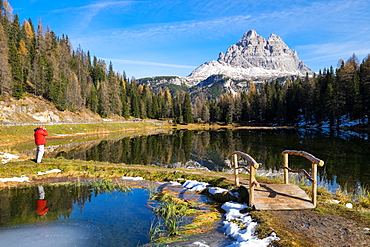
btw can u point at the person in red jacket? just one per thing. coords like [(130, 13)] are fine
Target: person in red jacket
[(40, 141)]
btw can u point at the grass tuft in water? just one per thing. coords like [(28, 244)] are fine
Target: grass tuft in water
[(156, 230), (172, 213)]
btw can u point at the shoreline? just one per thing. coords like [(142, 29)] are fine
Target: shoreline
[(269, 220)]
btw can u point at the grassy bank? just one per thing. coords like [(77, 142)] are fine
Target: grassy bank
[(10, 135), (93, 169)]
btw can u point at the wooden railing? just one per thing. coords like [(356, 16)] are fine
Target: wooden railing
[(313, 178), (252, 180)]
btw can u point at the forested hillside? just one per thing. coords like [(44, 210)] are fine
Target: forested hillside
[(331, 96), (38, 62)]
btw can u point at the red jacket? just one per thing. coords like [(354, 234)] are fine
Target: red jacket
[(41, 208), (40, 136)]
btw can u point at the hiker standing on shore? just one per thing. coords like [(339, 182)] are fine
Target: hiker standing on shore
[(40, 141)]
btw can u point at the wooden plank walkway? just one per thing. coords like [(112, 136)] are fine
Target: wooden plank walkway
[(281, 197)]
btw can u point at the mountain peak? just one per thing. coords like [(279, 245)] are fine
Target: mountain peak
[(251, 38), (254, 57)]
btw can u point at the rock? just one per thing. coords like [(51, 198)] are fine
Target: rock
[(253, 57), (33, 109)]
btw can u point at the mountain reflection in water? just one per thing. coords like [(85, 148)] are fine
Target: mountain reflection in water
[(346, 158)]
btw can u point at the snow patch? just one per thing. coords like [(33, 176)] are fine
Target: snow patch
[(15, 179), (47, 172), (6, 157), (194, 185), (216, 190), (246, 236), (132, 178)]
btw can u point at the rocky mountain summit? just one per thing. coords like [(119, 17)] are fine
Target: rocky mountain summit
[(254, 58), (251, 59)]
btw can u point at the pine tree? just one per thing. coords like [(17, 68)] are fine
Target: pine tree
[(5, 70), (103, 97), (364, 74), (7, 10), (92, 101), (205, 113), (186, 109), (15, 63), (125, 107), (114, 92), (167, 104)]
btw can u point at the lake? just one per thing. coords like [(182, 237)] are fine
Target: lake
[(346, 155)]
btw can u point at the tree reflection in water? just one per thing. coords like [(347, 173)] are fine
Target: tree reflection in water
[(346, 157)]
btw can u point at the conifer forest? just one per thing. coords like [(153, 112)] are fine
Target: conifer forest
[(34, 60), (331, 96)]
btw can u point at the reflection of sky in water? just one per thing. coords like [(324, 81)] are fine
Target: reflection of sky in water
[(110, 219), (330, 185), (59, 234)]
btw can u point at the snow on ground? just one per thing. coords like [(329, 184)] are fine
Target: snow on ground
[(132, 178), (24, 178), (244, 237), (47, 172), (6, 157), (215, 190), (194, 185), (345, 121), (15, 179), (234, 219)]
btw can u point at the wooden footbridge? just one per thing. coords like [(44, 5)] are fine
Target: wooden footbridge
[(279, 196)]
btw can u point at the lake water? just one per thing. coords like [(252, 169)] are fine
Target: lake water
[(74, 216), (346, 156)]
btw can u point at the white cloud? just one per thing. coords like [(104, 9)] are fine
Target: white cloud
[(168, 32), (95, 7), (88, 12)]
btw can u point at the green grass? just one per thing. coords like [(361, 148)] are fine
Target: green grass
[(93, 169), (172, 212), (59, 134)]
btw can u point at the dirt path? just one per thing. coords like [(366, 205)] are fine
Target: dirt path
[(324, 230)]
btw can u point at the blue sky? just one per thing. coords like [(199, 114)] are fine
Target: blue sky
[(148, 38)]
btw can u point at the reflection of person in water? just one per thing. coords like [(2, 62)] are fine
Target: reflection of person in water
[(41, 208)]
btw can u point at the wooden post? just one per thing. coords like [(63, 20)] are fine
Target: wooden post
[(235, 161), (252, 181), (315, 162), (286, 172), (251, 186), (314, 184)]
